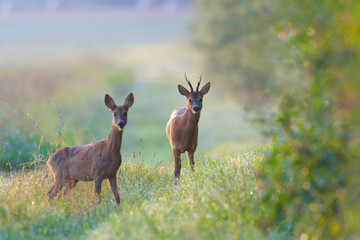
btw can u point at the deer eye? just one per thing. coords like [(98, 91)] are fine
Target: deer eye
[(125, 114), (200, 100)]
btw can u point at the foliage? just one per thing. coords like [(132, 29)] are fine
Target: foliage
[(220, 195), (241, 48), (18, 145), (310, 187), (307, 52)]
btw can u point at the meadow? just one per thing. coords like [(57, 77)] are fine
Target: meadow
[(217, 201), (278, 147), (65, 104), (52, 95)]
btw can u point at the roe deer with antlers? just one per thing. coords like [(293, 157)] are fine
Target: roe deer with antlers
[(93, 162), (182, 128)]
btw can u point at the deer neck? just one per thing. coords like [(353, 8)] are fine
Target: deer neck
[(190, 118), (113, 141)]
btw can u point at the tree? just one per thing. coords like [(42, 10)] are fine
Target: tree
[(240, 47), (310, 186), (309, 53)]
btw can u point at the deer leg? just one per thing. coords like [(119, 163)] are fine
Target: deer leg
[(98, 181), (54, 190), (50, 192), (58, 192), (57, 187), (177, 163), (190, 155), (61, 192), (73, 183), (113, 186), (61, 189), (65, 189)]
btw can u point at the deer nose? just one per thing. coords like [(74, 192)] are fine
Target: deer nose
[(121, 124), (196, 108)]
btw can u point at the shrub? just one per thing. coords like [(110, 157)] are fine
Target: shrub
[(19, 146), (309, 183)]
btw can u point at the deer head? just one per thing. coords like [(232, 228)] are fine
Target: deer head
[(119, 112), (194, 97)]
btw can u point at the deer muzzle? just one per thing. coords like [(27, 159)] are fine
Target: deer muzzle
[(121, 124), (196, 109)]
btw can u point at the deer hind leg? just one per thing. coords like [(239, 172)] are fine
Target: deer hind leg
[(60, 181), (177, 163), (113, 185), (71, 184), (54, 190), (97, 182), (190, 155), (60, 189), (66, 187), (57, 192)]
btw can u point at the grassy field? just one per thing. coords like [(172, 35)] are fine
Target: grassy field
[(66, 95), (52, 95), (217, 201), (55, 69)]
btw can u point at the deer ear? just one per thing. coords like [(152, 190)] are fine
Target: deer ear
[(183, 91), (129, 100), (109, 102), (205, 89)]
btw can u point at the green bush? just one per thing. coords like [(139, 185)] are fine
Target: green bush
[(305, 174), (309, 178), (19, 146), (308, 53), (241, 48)]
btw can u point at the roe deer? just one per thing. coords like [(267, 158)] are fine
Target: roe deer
[(93, 162), (182, 128)]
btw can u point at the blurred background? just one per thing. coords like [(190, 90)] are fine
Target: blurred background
[(284, 74), (58, 58)]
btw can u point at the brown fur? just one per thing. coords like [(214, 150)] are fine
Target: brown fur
[(93, 162), (182, 128)]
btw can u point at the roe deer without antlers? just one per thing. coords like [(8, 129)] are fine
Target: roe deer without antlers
[(93, 162), (182, 128)]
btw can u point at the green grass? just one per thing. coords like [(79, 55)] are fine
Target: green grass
[(69, 99), (217, 201), (55, 89), (60, 85)]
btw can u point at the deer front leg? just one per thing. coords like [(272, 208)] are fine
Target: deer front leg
[(177, 163), (98, 182), (190, 155), (113, 186)]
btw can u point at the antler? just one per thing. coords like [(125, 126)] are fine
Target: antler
[(198, 85), (192, 90)]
